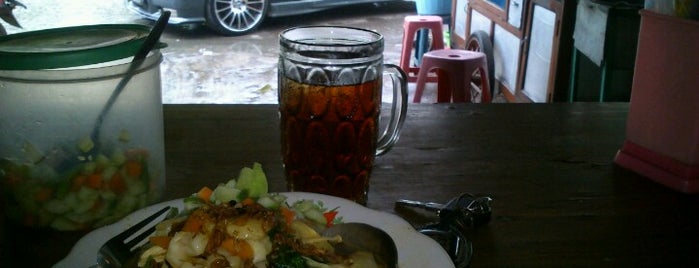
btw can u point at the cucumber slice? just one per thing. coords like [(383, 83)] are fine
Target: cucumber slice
[(118, 158), (271, 201), (33, 154), (102, 160), (315, 215), (86, 144), (231, 183), (124, 136), (224, 194), (253, 180), (303, 205), (192, 203), (125, 205)]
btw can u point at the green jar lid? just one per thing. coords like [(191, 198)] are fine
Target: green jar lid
[(71, 46)]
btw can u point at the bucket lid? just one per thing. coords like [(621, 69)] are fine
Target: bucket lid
[(71, 46)]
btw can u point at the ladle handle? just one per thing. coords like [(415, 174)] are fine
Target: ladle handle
[(153, 36), (147, 45)]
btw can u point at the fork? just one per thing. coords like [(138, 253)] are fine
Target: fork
[(117, 251)]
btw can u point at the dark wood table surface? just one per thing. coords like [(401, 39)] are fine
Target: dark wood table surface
[(559, 200)]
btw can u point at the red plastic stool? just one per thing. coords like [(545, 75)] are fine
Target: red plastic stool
[(412, 24), (455, 69)]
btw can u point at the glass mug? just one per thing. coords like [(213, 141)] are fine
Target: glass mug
[(330, 83)]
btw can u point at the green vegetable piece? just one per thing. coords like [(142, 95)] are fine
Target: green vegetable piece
[(244, 193), (231, 183), (108, 173), (245, 177), (192, 202), (87, 194), (310, 210), (102, 160), (33, 154), (271, 201), (124, 136), (89, 168), (224, 194), (287, 258), (63, 224), (107, 195), (303, 205), (86, 144), (315, 215), (57, 206), (253, 180), (44, 172), (118, 158), (135, 186)]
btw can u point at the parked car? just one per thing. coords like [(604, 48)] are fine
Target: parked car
[(233, 17)]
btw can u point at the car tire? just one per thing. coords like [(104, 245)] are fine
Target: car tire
[(479, 41), (235, 17)]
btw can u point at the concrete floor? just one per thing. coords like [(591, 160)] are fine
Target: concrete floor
[(202, 67)]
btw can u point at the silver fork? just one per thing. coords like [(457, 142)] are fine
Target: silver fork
[(117, 251)]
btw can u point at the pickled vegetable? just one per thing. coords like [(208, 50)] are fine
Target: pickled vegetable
[(75, 192)]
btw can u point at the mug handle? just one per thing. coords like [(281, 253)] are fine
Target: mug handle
[(398, 109)]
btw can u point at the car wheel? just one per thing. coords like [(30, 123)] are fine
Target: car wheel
[(235, 17), (479, 41)]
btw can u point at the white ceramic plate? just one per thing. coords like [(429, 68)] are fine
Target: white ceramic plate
[(415, 250)]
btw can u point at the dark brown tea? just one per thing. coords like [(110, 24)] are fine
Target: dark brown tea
[(329, 136)]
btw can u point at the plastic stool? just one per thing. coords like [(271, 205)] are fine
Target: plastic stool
[(455, 70), (411, 25)]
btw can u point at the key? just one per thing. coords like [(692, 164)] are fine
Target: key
[(467, 210), (429, 206), (433, 206)]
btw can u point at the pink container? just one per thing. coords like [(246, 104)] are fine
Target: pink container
[(662, 130)]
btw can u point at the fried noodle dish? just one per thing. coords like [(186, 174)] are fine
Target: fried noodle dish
[(239, 224)]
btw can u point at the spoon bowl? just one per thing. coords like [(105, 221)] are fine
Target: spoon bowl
[(364, 237)]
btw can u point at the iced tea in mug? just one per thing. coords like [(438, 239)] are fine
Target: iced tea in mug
[(330, 83)]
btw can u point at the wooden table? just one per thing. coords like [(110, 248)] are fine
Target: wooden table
[(559, 201)]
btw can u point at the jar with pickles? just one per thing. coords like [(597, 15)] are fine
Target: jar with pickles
[(53, 86)]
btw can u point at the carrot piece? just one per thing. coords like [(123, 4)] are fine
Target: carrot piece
[(43, 194), (205, 193), (288, 214), (78, 182), (248, 201), (12, 179), (133, 168), (94, 181), (117, 184), (330, 217), (238, 248), (161, 241), (193, 224)]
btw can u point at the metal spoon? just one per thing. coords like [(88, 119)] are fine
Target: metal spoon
[(148, 44), (360, 236)]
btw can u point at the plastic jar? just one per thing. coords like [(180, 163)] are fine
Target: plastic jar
[(53, 86)]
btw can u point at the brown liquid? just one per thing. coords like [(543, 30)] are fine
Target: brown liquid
[(328, 137)]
